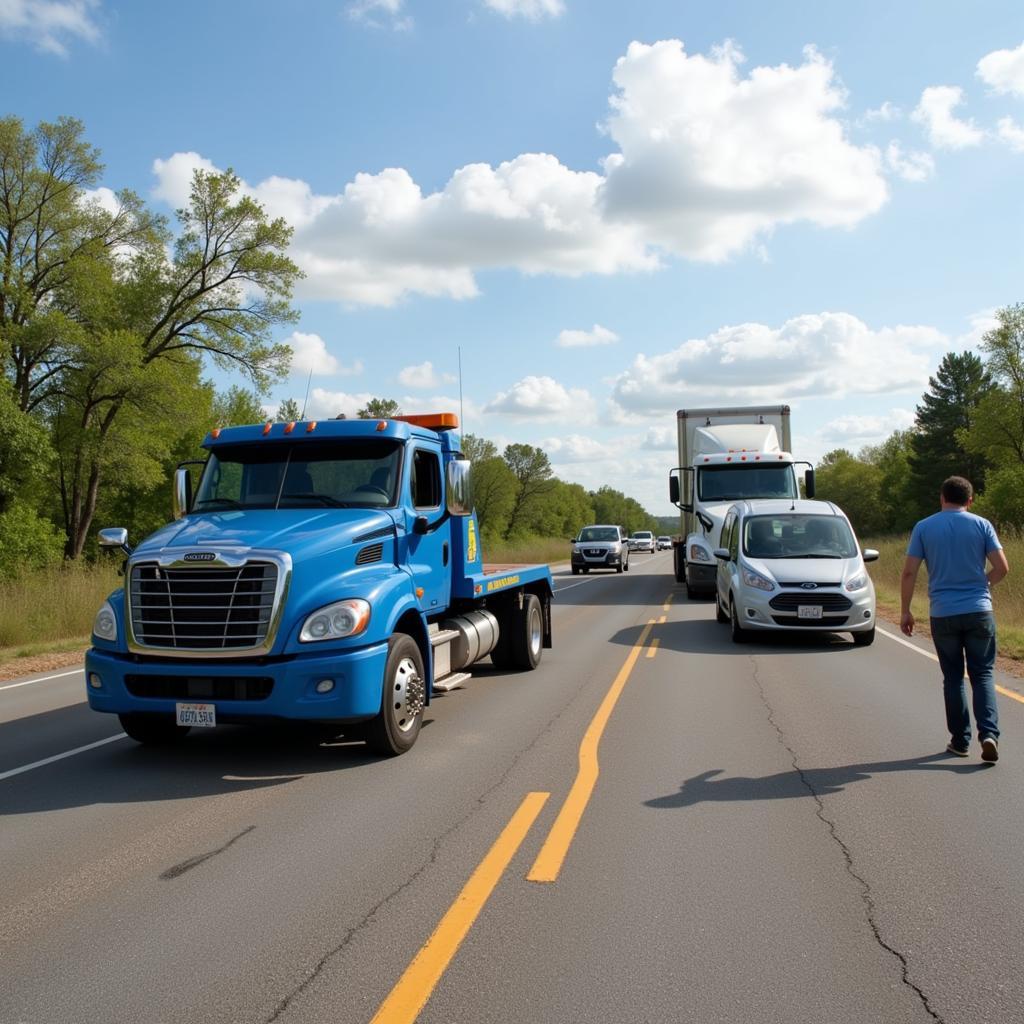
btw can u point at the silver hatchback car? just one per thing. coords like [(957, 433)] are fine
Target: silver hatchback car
[(787, 565)]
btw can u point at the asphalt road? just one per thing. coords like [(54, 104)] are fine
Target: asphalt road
[(774, 835)]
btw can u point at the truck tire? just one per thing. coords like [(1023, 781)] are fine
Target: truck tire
[(152, 729), (403, 695), (527, 638), (679, 563)]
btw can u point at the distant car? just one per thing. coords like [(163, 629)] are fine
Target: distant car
[(793, 565), (600, 547), (664, 542), (642, 540)]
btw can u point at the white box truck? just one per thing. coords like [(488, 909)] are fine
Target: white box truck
[(726, 455)]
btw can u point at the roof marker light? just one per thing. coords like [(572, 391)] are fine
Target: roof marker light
[(382, 425), (215, 433), (289, 427), (311, 427), (266, 429)]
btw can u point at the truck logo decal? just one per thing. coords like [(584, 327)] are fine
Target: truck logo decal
[(201, 556), (505, 581), (471, 542)]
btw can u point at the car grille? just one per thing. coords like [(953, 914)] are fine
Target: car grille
[(828, 602), (811, 585), (829, 622), (595, 552), (200, 687), (202, 608)]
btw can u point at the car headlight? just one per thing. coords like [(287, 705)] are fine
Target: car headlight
[(335, 621), (698, 554), (755, 579), (576, 549), (105, 626), (858, 582)]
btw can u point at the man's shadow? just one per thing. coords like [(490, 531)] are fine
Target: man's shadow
[(788, 785)]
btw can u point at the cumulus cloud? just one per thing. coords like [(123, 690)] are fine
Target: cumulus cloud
[(380, 14), (532, 10), (580, 448), (310, 355), (913, 166), (48, 24), (819, 355), (661, 439), (542, 398), (886, 112), (1011, 133), (326, 405), (598, 335), (980, 324), (709, 162), (423, 376), (943, 128), (861, 430), (1003, 70)]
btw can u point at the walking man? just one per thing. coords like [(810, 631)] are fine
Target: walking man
[(955, 545)]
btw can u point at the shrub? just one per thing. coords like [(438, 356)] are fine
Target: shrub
[(27, 542)]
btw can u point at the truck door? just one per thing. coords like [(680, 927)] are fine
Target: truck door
[(430, 552)]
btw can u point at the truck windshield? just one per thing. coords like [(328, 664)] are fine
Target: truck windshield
[(339, 474), (789, 535), (730, 483)]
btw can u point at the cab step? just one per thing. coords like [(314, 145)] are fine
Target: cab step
[(451, 681)]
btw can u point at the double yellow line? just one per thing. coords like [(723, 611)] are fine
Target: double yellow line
[(421, 977)]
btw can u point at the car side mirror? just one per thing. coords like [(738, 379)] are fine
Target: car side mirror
[(870, 555), (722, 554)]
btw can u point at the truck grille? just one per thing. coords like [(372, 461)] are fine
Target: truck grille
[(202, 608), (199, 687)]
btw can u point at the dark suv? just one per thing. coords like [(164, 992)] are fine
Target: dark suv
[(600, 547)]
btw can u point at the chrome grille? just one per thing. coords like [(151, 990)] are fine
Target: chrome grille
[(202, 608)]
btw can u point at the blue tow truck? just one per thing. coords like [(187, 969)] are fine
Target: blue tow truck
[(323, 572)]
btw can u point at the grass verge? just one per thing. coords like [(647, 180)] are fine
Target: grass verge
[(528, 550)]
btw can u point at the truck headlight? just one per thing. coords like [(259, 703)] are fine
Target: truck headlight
[(698, 554), (756, 580), (105, 626), (334, 621), (858, 582)]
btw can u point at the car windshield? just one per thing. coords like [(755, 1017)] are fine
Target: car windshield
[(790, 535), (758, 480), (643, 536), (339, 474), (592, 533)]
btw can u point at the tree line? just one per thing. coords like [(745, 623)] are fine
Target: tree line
[(970, 422), (111, 314)]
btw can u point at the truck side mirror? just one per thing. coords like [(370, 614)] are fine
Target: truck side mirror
[(115, 537), (459, 493), (673, 489), (182, 496), (809, 483)]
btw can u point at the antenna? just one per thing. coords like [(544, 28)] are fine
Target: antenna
[(302, 415), (462, 416)]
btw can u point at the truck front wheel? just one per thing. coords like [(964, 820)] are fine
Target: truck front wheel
[(153, 729), (395, 729)]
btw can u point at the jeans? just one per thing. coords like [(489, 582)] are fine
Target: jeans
[(970, 637)]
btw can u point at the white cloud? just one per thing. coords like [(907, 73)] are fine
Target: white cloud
[(944, 129), (424, 376), (661, 439), (981, 323), (380, 14), (580, 448), (913, 166), (862, 430), (532, 10), (598, 335), (710, 160), (49, 23), (326, 405), (1003, 70), (816, 355), (542, 398), (310, 355), (886, 112), (1011, 133)]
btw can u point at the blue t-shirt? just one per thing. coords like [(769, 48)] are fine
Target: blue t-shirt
[(954, 544)]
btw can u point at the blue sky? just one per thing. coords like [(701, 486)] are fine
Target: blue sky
[(614, 209)]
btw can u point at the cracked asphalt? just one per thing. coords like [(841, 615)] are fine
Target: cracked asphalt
[(775, 836)]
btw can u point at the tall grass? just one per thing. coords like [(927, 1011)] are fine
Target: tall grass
[(531, 550), (53, 606), (1007, 596)]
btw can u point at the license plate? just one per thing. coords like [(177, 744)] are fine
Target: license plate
[(809, 611), (203, 716)]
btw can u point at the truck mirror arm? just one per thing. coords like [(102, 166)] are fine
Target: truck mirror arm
[(421, 525), (706, 521)]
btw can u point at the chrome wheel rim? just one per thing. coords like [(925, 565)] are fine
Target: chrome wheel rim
[(407, 695), (536, 636)]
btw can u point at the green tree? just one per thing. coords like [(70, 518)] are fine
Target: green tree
[(892, 457), (1003, 500), (532, 470), (946, 415), (379, 409), (25, 451), (237, 407), (288, 411), (855, 486)]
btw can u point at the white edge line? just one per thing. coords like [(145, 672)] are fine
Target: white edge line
[(907, 643), (60, 757), (41, 679)]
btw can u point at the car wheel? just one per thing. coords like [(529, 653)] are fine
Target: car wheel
[(626, 566), (575, 571), (619, 567), (403, 696), (865, 638), (720, 615), (585, 570), (739, 634)]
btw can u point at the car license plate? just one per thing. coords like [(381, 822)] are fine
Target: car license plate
[(809, 611), (203, 716)]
